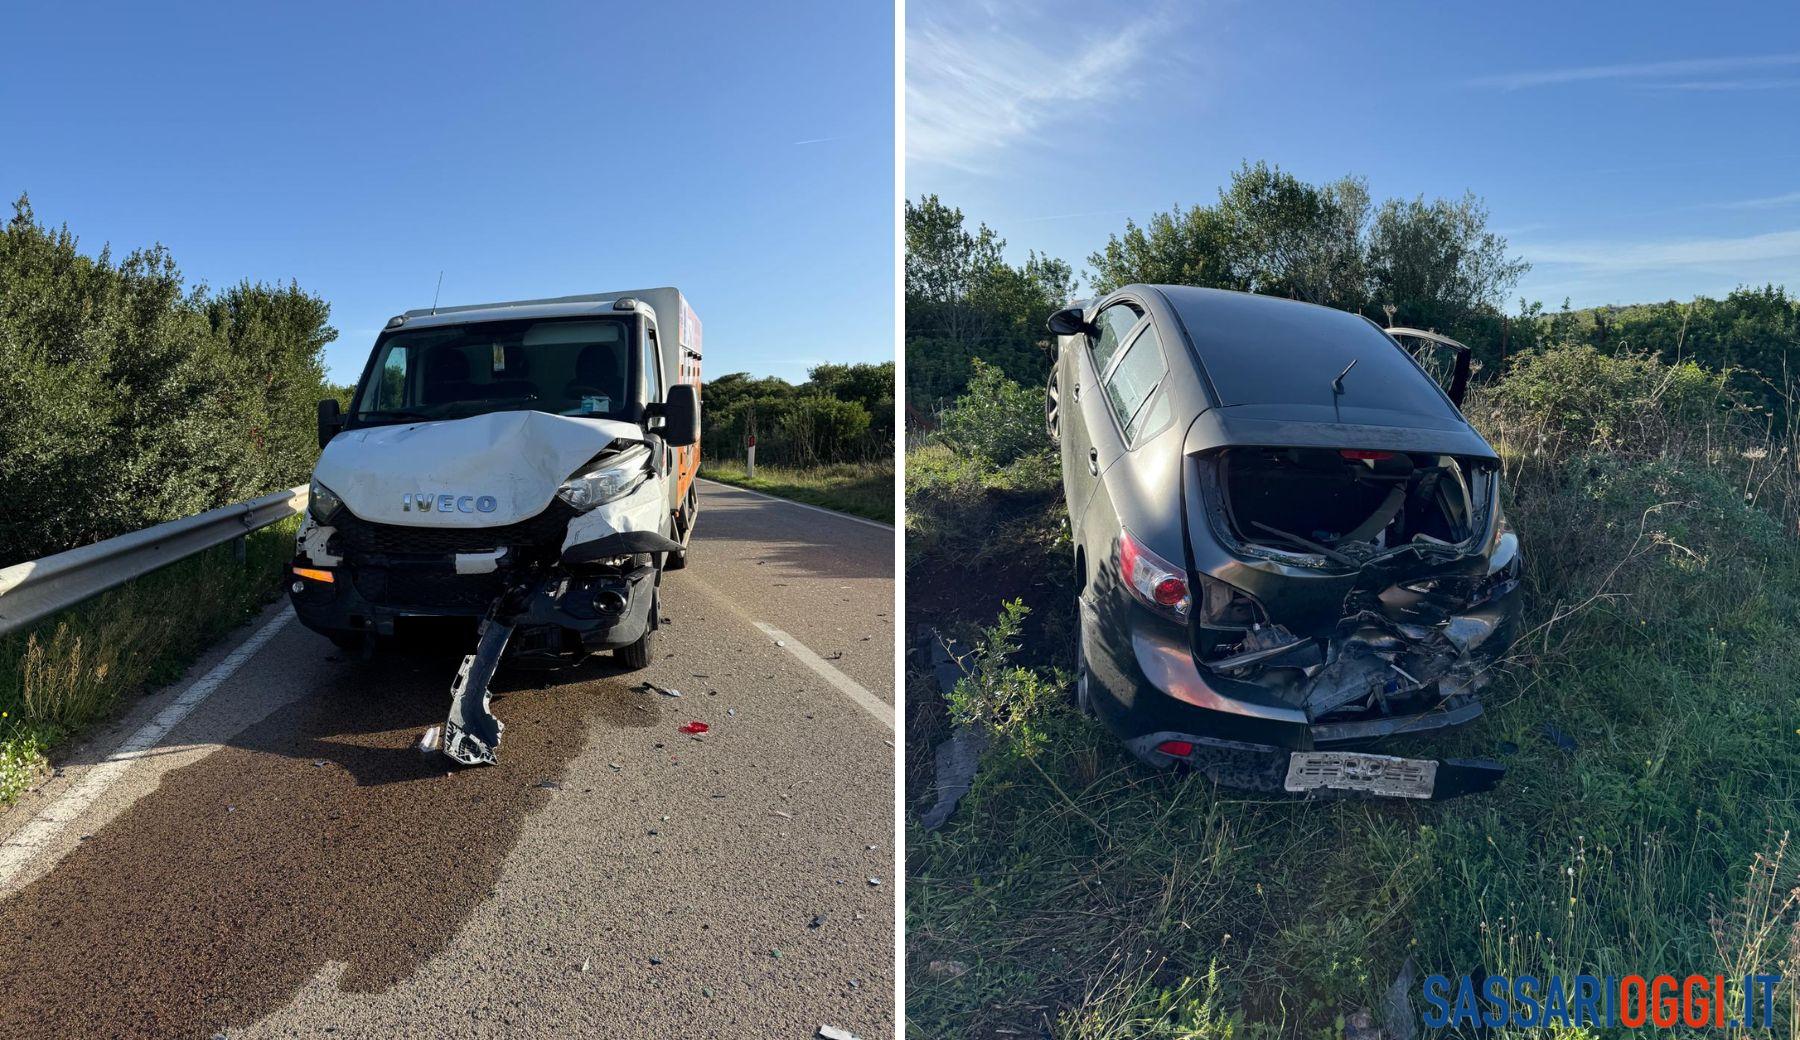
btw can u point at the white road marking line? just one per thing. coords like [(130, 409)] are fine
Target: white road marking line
[(800, 505), (37, 834), (845, 685)]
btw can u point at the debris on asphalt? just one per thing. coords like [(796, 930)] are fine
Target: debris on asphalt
[(818, 921), (695, 728), (656, 960), (834, 1033), (318, 763), (548, 784), (778, 812), (779, 643), (875, 882), (775, 954), (587, 964), (432, 739), (732, 712)]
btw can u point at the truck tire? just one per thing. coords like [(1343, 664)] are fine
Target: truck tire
[(678, 560), (636, 656)]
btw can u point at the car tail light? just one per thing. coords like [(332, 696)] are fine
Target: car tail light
[(1178, 748), (1156, 583)]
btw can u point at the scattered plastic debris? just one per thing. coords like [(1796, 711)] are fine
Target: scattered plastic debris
[(834, 1033), (875, 882), (818, 921), (432, 740), (956, 761), (695, 728), (587, 964), (318, 763)]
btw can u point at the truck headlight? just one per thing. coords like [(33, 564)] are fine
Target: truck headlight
[(322, 502), (612, 479)]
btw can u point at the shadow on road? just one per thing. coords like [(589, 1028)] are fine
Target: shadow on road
[(315, 835)]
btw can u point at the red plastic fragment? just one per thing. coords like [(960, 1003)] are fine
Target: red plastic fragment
[(695, 727)]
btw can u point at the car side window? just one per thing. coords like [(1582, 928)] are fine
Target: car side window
[(1134, 378), (1110, 329)]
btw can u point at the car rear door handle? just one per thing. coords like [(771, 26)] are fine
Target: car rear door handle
[(1094, 461)]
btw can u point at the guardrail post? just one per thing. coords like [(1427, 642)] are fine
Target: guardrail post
[(239, 551), (750, 461)]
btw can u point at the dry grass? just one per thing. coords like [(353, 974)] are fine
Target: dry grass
[(67, 672)]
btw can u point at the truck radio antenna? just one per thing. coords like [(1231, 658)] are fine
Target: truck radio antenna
[(439, 292)]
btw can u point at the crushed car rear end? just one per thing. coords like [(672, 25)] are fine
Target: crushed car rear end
[(1333, 569)]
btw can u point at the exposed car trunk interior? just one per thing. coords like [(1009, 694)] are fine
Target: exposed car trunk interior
[(1397, 530), (1355, 504)]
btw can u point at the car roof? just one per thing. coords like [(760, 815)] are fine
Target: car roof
[(1265, 350)]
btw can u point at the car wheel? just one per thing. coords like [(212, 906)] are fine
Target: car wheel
[(1052, 409), (1084, 697)]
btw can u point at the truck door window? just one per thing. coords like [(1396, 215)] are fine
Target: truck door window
[(652, 367), (1112, 325)]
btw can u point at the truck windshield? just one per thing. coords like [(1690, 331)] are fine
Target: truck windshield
[(564, 366)]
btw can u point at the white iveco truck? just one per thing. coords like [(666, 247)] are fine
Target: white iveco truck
[(529, 464)]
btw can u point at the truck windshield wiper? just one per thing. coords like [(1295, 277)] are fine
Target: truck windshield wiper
[(396, 413)]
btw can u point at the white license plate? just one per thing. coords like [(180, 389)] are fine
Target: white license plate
[(1382, 775)]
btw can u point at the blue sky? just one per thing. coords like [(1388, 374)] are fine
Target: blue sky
[(743, 152), (1628, 151)]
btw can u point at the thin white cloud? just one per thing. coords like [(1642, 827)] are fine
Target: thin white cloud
[(1766, 202), (1748, 254), (1725, 84), (1653, 70), (981, 77), (818, 140)]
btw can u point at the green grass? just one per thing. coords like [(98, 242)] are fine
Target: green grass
[(67, 672), (860, 488), (1078, 894)]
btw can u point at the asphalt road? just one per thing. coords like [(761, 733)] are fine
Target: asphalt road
[(283, 862)]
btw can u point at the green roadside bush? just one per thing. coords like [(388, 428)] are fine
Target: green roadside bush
[(128, 398)]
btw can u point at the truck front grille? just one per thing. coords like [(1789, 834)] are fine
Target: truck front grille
[(403, 589), (545, 532)]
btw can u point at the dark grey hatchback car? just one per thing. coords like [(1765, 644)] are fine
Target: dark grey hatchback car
[(1287, 538)]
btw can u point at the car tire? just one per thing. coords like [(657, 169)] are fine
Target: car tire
[(1083, 691), (1053, 409)]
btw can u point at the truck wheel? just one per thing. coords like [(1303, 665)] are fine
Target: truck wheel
[(678, 560), (636, 656)]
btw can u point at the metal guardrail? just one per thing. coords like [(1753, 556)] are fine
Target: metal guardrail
[(36, 589)]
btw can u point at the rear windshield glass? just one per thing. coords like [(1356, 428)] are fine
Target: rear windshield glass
[(1265, 351), (567, 367)]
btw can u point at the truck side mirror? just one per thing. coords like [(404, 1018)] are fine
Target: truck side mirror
[(330, 421), (681, 416), (1070, 321)]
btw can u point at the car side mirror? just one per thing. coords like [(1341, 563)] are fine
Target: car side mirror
[(681, 416), (330, 420), (1070, 321)]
